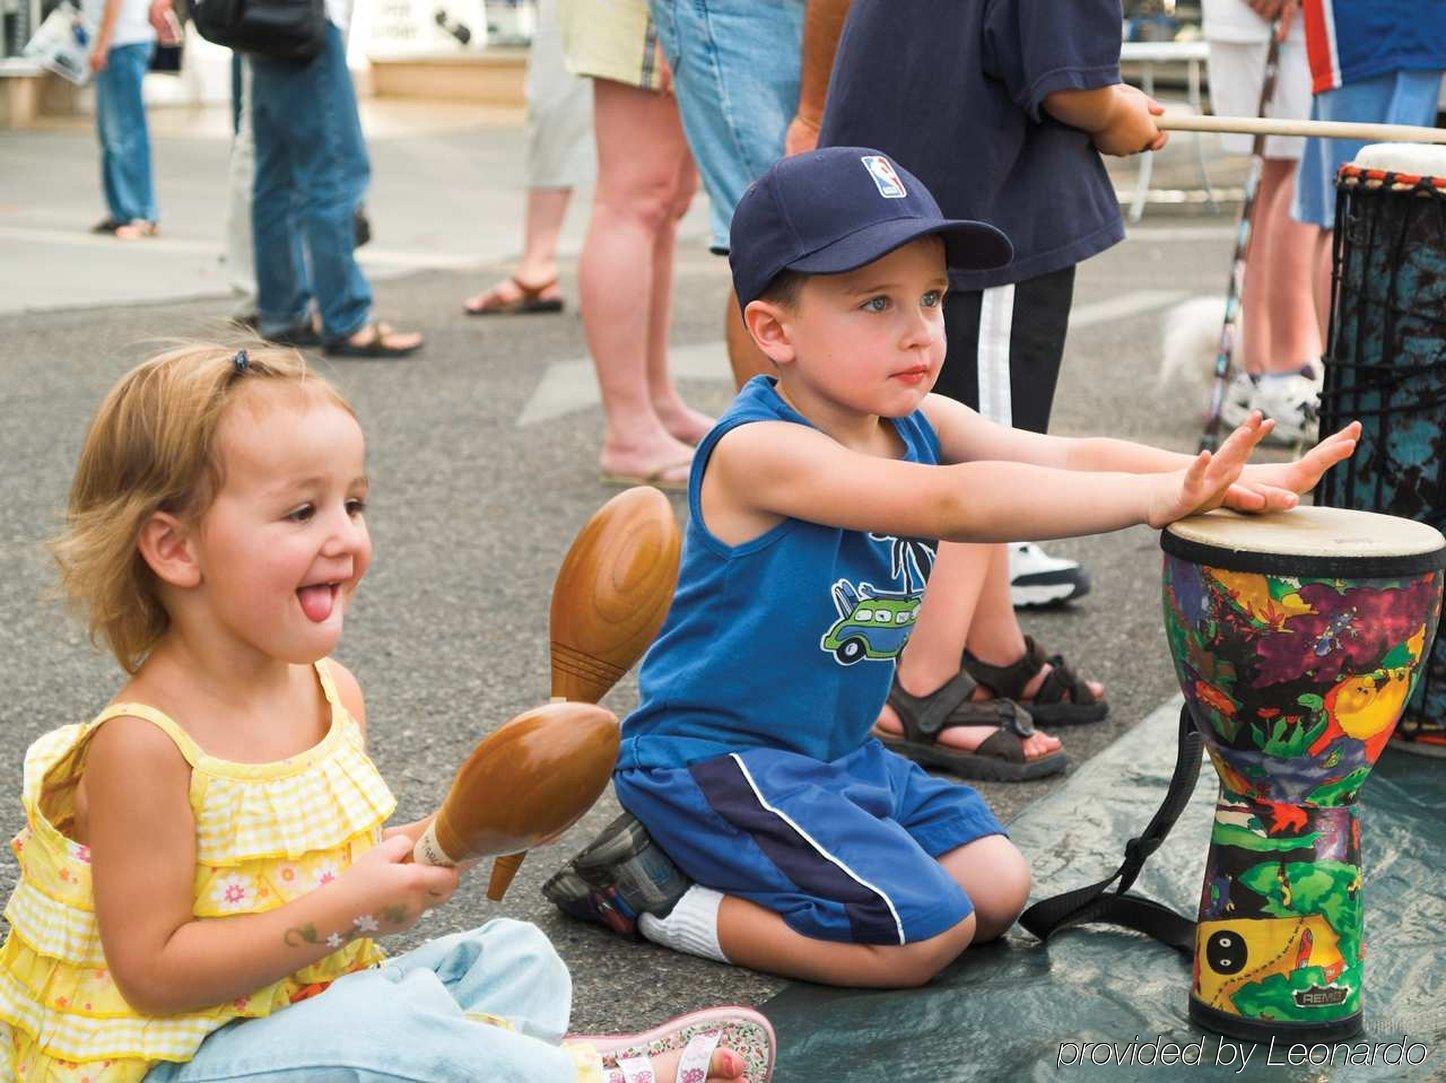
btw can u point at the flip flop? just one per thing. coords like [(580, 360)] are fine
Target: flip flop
[(138, 230), (530, 300), (657, 479), (740, 1029)]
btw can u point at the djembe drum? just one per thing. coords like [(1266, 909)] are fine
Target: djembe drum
[(1386, 363), (1297, 638)]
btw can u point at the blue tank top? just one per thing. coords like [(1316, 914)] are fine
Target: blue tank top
[(787, 641)]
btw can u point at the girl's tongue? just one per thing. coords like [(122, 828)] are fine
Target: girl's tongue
[(317, 601)]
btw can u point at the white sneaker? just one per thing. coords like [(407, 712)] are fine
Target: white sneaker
[(1038, 579), (1238, 401), (1294, 402)]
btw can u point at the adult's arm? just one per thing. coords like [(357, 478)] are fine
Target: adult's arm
[(823, 23)]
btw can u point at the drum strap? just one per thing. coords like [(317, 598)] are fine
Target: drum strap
[(1098, 904)]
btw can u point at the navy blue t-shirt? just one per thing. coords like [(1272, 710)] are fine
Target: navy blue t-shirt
[(954, 91)]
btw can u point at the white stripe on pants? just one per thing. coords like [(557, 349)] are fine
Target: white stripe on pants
[(996, 323)]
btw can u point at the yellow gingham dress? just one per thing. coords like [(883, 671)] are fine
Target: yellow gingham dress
[(265, 834)]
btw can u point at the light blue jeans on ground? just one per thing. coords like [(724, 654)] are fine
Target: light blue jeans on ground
[(735, 70), (311, 173), (409, 1020), (125, 142)]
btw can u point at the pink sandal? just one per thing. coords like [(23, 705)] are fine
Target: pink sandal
[(627, 1058)]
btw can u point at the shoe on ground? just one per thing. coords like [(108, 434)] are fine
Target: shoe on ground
[(617, 877), (1239, 400), (1037, 579), (1293, 400)]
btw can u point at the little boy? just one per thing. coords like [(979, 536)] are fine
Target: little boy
[(817, 853)]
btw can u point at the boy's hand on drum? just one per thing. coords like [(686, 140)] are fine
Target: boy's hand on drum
[(1270, 480), (1207, 481)]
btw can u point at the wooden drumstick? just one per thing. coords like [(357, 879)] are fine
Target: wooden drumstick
[(1321, 129), (608, 602), (522, 786), (612, 593)]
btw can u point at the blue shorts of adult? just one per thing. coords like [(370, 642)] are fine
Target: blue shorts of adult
[(1402, 97), (845, 850), (735, 67), (490, 1004)]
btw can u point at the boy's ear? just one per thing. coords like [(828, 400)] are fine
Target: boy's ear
[(768, 323), (165, 543)]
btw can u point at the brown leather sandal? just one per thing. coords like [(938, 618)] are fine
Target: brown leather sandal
[(1000, 756), (528, 300), (1063, 699)]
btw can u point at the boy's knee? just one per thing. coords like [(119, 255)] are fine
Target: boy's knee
[(912, 965), (1003, 899)]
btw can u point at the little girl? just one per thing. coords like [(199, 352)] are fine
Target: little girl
[(208, 850)]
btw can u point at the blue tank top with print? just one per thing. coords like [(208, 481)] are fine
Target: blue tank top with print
[(787, 641)]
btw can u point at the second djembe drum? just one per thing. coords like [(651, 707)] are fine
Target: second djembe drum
[(1386, 363), (1297, 638)]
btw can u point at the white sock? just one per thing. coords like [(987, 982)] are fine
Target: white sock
[(691, 926)]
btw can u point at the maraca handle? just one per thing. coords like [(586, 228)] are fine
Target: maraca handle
[(503, 870), (428, 850)]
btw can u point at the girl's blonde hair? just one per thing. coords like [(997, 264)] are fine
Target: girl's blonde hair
[(152, 448)]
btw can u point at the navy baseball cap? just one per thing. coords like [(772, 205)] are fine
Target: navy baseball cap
[(836, 209)]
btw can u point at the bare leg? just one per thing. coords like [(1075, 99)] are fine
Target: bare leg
[(681, 420), (1292, 331), (744, 356), (1322, 282), (546, 209), (995, 876), (950, 610), (640, 147), (994, 635), (761, 940)]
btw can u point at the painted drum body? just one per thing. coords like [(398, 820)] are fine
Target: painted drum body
[(1297, 639)]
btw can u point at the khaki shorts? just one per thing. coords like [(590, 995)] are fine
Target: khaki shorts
[(611, 39), (1236, 72)]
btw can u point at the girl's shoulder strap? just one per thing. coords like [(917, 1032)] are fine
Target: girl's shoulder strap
[(187, 747)]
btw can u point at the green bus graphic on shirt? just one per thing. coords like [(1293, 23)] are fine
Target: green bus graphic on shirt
[(872, 625)]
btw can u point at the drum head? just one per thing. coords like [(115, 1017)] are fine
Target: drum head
[(1308, 541), (1410, 159)]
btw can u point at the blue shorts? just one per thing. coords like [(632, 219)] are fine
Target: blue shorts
[(845, 851), (1403, 97), (735, 70)]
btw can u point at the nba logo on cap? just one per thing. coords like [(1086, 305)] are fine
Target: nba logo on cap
[(885, 179)]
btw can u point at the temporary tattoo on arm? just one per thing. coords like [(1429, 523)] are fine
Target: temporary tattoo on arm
[(361, 926), (306, 934)]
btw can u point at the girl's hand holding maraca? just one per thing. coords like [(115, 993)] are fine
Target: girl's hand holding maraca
[(390, 892)]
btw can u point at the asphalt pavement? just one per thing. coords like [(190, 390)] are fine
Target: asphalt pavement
[(482, 452)]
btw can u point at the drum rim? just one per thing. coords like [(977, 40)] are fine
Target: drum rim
[(1351, 172), (1380, 566)]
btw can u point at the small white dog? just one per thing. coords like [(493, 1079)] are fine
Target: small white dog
[(1189, 346)]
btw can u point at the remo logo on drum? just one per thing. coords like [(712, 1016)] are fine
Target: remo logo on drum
[(885, 179)]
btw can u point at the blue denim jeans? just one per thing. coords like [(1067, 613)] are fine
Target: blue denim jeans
[(311, 173), (125, 142), (490, 1004), (735, 72)]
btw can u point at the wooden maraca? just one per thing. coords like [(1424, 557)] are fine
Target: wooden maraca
[(522, 786), (612, 593), (608, 602)]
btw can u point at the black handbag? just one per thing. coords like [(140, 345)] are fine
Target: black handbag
[(284, 29)]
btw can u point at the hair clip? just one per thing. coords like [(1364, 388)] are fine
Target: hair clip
[(240, 361)]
